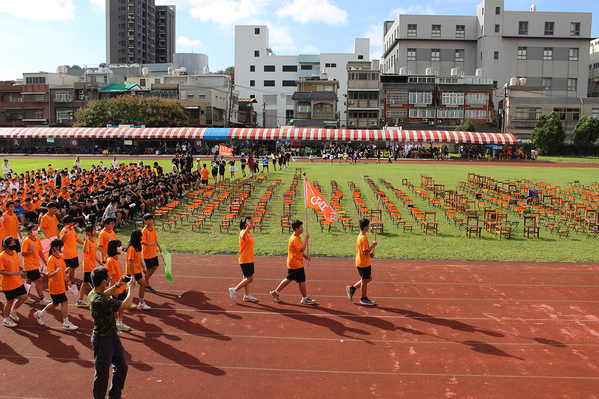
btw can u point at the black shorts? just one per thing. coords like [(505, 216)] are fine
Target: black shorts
[(34, 274), (365, 272), (297, 275), (214, 173), (72, 263), (87, 277), (151, 263), (121, 297), (58, 299), (138, 276), (242, 166), (204, 182), (17, 292), (247, 269)]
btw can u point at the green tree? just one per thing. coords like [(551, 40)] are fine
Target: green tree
[(131, 110), (586, 133), (467, 126), (228, 71), (548, 135)]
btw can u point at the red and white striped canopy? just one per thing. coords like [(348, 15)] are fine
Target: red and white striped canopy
[(395, 135)]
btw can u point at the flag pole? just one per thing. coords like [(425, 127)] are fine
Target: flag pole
[(378, 208), (306, 209)]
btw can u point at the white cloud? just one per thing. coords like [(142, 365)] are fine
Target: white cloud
[(281, 40), (9, 73), (305, 11), (412, 9), (310, 49), (44, 10), (227, 13), (185, 42), (99, 5)]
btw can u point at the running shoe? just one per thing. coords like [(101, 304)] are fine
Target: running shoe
[(14, 316), (133, 306), (233, 294), (150, 289), (9, 323), (81, 304), (69, 326), (143, 306), (29, 301), (275, 296), (122, 327), (350, 289), (308, 301), (367, 302), (45, 302), (249, 298), (39, 318)]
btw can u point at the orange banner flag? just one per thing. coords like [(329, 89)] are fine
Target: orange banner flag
[(314, 200), (225, 151)]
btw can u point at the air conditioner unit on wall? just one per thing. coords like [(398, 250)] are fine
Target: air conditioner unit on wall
[(350, 102), (58, 120), (401, 121), (431, 123), (424, 120), (460, 121), (350, 123), (439, 121)]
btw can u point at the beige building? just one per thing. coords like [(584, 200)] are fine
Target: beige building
[(315, 104), (594, 68), (363, 93)]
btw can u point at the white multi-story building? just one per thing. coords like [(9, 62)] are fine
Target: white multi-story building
[(549, 49), (272, 79), (594, 68)]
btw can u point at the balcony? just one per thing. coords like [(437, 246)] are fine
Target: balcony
[(362, 123), (363, 104), (63, 99), (324, 115)]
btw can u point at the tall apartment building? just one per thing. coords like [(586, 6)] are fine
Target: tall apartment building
[(549, 49), (363, 87), (272, 79), (593, 90), (138, 32)]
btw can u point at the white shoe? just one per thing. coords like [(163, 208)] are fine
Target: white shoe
[(69, 326), (122, 327), (29, 301), (308, 301), (14, 316), (249, 298), (45, 302), (233, 294), (9, 323), (39, 318), (143, 306)]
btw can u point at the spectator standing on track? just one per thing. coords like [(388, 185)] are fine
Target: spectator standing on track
[(108, 349), (11, 282), (246, 260), (295, 264), (363, 255)]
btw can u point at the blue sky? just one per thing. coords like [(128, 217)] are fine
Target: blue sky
[(39, 35)]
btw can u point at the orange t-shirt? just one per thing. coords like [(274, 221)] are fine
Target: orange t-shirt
[(10, 263), (135, 256), (56, 282), (31, 261), (115, 271), (50, 224), (70, 243), (362, 260), (149, 251), (11, 225), (246, 248), (104, 237), (205, 173), (2, 233), (295, 257), (89, 256)]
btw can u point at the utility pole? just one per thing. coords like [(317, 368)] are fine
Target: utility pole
[(503, 118), (263, 114), (230, 110)]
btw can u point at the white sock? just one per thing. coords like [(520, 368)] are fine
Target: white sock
[(13, 311), (7, 319), (65, 320), (119, 321)]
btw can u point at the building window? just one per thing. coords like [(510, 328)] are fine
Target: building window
[(595, 113), (496, 28), (256, 31), (13, 113), (269, 68), (568, 114), (63, 114), (289, 68), (452, 98), (252, 83), (397, 97), (548, 54), (523, 28), (360, 57), (420, 97), (412, 30), (289, 83), (476, 114), (522, 53), (575, 29), (327, 65), (306, 67), (252, 96), (528, 113), (549, 28), (546, 82), (257, 53), (459, 55), (476, 98), (494, 84), (304, 109), (39, 79), (333, 65), (62, 97), (411, 54), (450, 113), (435, 54), (497, 10), (572, 84), (252, 68), (269, 83), (142, 82), (396, 113), (422, 113), (460, 31), (436, 31), (573, 55), (496, 55)]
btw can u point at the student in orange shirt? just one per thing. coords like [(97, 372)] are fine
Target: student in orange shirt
[(90, 259), (11, 224), (246, 260), (69, 237), (295, 264), (56, 285), (136, 266), (205, 173), (11, 282), (116, 272), (363, 255), (49, 222), (105, 236), (149, 242), (2, 233), (32, 252)]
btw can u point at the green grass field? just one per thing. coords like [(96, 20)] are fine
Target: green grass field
[(450, 243)]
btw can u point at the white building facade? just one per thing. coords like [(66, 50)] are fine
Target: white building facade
[(272, 79), (594, 68), (549, 49)]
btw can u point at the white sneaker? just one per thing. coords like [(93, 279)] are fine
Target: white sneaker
[(249, 298), (9, 323), (69, 326), (15, 317), (233, 294), (143, 306), (45, 302), (29, 301), (308, 301), (39, 318), (122, 327), (79, 229), (133, 306)]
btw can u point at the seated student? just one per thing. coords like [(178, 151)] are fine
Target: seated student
[(77, 216)]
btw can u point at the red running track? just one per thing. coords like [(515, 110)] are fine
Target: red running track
[(440, 329)]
